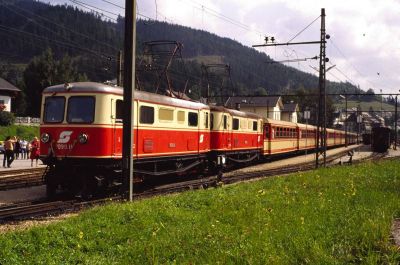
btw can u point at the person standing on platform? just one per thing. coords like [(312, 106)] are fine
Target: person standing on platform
[(17, 147), (24, 143), (35, 150), (9, 151)]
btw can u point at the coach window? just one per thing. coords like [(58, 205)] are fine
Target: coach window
[(81, 109), (118, 110), (193, 118), (255, 128), (146, 115), (235, 124), (54, 109), (181, 116)]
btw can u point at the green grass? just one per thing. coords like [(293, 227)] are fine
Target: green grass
[(338, 215), (376, 105), (23, 132)]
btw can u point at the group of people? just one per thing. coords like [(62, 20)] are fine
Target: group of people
[(14, 148)]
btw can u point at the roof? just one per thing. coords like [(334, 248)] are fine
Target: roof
[(235, 112), (6, 86), (291, 107), (262, 101), (92, 87)]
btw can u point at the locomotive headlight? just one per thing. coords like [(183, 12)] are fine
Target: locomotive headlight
[(82, 138), (45, 138)]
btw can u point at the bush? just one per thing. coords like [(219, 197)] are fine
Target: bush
[(6, 118)]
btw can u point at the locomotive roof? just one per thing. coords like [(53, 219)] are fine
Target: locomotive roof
[(92, 87), (280, 122), (234, 112)]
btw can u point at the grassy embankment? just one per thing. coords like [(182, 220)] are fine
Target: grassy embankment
[(331, 216), (23, 132)]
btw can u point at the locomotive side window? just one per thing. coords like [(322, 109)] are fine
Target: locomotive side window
[(212, 121), (165, 115), (193, 119), (81, 109), (146, 115), (181, 116), (206, 120), (54, 109), (118, 110), (255, 126), (235, 124)]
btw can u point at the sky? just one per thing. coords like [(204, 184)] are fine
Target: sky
[(363, 46)]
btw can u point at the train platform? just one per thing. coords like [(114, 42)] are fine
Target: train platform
[(359, 152), (20, 164)]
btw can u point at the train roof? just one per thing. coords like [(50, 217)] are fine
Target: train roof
[(279, 122), (92, 87), (234, 112)]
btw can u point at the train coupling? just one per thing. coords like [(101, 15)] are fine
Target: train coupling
[(221, 160)]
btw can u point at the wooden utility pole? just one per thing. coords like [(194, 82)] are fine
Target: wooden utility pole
[(129, 87)]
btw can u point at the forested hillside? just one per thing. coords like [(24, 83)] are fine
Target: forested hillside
[(28, 28)]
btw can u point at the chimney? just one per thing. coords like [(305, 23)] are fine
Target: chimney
[(237, 106)]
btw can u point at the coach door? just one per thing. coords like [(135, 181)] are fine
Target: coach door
[(117, 128)]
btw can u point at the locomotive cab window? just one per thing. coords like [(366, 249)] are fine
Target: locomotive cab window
[(146, 115), (193, 118), (255, 126), (206, 120), (54, 109), (81, 109)]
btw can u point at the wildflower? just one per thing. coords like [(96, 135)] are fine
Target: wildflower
[(302, 220), (80, 235)]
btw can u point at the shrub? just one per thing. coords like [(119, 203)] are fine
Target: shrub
[(6, 118)]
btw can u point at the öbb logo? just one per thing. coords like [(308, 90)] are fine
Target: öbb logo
[(65, 136)]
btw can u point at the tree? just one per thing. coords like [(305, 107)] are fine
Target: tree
[(44, 71)]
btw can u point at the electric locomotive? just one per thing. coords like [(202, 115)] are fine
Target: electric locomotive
[(81, 135)]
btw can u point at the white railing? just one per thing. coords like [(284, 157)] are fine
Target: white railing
[(27, 120)]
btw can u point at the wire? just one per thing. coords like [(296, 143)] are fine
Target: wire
[(309, 25), (99, 13), (111, 3)]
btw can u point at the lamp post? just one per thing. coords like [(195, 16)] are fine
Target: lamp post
[(395, 124), (359, 121), (345, 119)]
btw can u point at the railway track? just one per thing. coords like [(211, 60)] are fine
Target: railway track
[(28, 210), (19, 178)]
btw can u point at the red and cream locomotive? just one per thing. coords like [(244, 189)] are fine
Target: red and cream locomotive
[(81, 136)]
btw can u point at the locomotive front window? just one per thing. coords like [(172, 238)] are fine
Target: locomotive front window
[(54, 109), (81, 109)]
